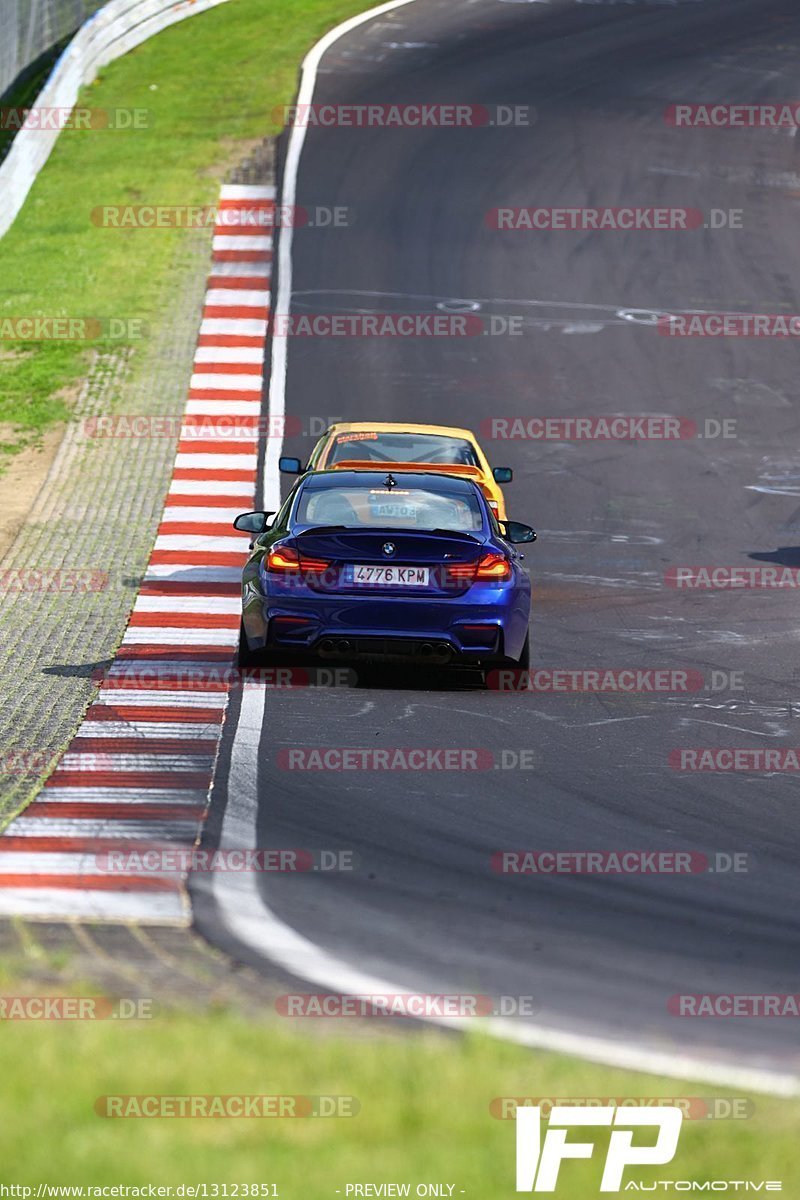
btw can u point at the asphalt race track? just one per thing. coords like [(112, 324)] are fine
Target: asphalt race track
[(600, 955)]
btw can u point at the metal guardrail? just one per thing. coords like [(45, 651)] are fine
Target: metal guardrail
[(28, 28), (111, 32)]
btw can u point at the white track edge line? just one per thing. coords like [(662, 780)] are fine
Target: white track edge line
[(283, 296), (273, 939)]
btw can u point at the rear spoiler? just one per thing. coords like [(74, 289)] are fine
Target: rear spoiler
[(363, 464)]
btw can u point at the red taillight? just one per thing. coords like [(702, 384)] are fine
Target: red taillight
[(461, 571), (314, 566), (493, 566), (285, 560)]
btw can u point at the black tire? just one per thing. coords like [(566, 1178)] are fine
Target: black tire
[(267, 659), (522, 663), (247, 659)]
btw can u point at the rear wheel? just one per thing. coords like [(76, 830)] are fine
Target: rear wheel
[(522, 663), (271, 657), (247, 659)]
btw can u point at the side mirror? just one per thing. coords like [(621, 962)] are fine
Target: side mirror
[(290, 466), (515, 531), (502, 474), (252, 522)]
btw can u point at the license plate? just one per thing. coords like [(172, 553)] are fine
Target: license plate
[(394, 511), (387, 576)]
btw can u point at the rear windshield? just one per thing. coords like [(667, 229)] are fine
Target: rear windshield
[(402, 447), (364, 507)]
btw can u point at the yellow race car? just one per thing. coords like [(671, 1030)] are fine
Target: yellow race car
[(365, 445)]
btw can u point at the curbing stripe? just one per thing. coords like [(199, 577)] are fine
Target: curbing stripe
[(249, 332), (63, 833), (246, 379), (229, 368), (237, 243), (40, 903), (251, 355), (140, 768)]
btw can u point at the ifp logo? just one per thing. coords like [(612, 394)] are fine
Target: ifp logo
[(538, 1165)]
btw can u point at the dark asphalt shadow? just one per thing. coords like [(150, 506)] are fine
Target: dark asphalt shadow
[(784, 556), (79, 670)]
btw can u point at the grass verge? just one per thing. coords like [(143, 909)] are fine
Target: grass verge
[(207, 89), (424, 1108)]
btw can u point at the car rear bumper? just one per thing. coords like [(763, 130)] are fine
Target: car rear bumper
[(434, 651), (491, 625)]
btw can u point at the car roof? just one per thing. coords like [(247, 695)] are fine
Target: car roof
[(400, 427), (432, 480)]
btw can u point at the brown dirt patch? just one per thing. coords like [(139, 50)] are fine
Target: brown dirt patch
[(21, 483)]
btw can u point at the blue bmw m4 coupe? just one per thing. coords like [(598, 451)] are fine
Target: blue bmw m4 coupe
[(366, 565)]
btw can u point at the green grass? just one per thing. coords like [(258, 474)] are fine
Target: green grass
[(210, 86), (424, 1108)]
